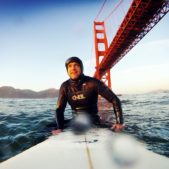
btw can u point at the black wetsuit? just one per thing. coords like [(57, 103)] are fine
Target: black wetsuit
[(82, 94)]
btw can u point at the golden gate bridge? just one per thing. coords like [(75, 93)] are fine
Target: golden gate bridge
[(140, 18)]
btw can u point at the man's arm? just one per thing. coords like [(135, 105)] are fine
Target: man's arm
[(105, 92), (117, 109), (118, 114), (60, 107)]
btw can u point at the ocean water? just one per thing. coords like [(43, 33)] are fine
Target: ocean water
[(27, 122)]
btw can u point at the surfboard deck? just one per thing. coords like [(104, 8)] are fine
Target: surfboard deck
[(87, 151)]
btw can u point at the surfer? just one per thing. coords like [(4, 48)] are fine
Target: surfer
[(81, 92)]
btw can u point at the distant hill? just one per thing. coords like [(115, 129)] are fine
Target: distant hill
[(10, 92)]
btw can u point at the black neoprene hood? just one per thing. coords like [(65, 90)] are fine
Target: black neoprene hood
[(74, 59)]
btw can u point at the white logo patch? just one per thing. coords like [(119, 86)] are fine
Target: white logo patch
[(78, 97)]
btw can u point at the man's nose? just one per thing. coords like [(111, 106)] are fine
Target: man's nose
[(73, 67)]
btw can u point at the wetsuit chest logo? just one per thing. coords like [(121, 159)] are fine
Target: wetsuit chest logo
[(78, 97)]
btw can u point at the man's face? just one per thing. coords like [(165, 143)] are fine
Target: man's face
[(73, 70)]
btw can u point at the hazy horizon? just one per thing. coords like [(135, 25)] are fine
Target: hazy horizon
[(157, 90)]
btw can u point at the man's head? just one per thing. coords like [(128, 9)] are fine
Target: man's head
[(74, 67)]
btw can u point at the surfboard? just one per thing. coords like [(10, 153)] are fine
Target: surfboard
[(92, 150)]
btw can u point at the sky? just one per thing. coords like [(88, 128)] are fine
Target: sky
[(36, 37)]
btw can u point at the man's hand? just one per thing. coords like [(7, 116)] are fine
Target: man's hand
[(117, 127), (56, 132)]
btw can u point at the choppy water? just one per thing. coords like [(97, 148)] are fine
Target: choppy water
[(26, 122)]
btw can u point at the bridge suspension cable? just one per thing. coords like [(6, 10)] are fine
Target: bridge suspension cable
[(114, 9), (101, 9)]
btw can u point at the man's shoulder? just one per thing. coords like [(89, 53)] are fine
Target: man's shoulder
[(91, 80), (65, 83)]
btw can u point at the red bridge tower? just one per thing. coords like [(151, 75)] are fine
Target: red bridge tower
[(101, 46)]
